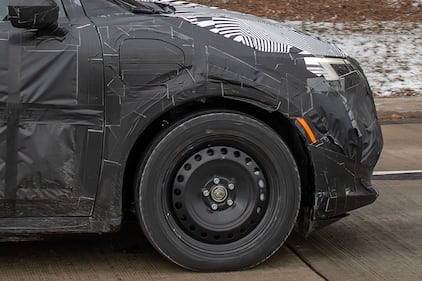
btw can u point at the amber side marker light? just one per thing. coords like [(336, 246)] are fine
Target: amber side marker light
[(307, 129)]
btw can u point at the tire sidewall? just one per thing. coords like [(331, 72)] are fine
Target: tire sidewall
[(156, 217)]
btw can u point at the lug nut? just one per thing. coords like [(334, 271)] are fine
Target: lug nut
[(206, 193), (216, 180), (214, 207), (231, 186), (229, 202)]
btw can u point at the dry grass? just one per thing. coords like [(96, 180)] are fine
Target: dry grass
[(326, 10)]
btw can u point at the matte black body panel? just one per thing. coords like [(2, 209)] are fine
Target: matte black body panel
[(52, 131)]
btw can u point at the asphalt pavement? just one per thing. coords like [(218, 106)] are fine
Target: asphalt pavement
[(382, 241)]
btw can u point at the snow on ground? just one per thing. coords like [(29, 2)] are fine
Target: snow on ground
[(417, 3), (390, 52)]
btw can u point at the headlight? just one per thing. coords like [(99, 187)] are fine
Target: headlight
[(331, 68)]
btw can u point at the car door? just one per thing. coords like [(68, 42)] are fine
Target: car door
[(51, 125)]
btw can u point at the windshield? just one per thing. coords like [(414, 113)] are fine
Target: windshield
[(145, 7)]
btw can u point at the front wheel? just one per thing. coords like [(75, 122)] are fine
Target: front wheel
[(218, 191)]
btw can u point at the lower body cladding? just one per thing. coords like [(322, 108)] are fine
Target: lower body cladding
[(348, 146), (338, 189)]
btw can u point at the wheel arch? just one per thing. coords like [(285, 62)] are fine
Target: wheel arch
[(276, 120)]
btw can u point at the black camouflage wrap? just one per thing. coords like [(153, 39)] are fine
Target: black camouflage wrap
[(75, 105)]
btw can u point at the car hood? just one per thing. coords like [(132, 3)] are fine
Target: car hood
[(263, 35)]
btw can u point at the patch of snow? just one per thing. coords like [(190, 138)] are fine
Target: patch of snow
[(393, 2), (417, 3), (389, 52)]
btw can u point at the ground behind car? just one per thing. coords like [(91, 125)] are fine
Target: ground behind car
[(326, 10)]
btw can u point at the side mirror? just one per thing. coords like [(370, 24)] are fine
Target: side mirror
[(34, 14)]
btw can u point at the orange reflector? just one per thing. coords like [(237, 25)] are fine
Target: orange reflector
[(307, 129)]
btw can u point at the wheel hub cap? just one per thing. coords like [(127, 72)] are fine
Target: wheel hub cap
[(219, 193)]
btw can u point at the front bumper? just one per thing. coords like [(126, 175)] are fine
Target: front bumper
[(340, 186), (349, 145)]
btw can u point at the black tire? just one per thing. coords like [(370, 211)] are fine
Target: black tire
[(240, 159)]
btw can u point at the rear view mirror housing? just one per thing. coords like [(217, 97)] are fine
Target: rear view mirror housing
[(34, 14)]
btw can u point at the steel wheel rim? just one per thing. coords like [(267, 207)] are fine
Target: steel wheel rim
[(219, 194)]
